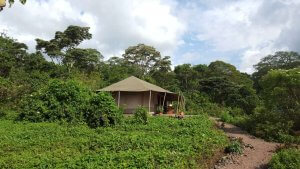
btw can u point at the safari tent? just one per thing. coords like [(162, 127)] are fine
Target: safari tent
[(133, 92)]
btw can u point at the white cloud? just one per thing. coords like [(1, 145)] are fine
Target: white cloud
[(115, 24), (252, 28), (257, 27)]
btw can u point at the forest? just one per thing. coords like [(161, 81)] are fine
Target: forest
[(57, 82)]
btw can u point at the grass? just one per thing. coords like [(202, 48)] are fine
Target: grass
[(162, 143)]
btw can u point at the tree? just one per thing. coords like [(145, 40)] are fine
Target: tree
[(163, 75), (83, 59), (146, 58), (63, 42), (228, 71), (202, 70), (228, 93), (185, 74), (280, 60), (11, 54), (281, 93), (116, 69)]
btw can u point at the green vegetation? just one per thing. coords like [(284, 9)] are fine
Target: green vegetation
[(286, 159), (234, 147), (141, 115), (162, 143), (57, 100), (70, 102), (102, 111), (33, 89), (279, 116)]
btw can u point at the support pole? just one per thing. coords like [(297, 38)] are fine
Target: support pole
[(177, 109), (119, 99), (149, 101), (164, 101)]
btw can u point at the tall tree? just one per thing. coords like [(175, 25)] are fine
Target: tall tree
[(280, 60), (228, 93), (185, 74), (11, 54), (281, 93), (147, 58), (228, 71), (58, 47), (83, 59)]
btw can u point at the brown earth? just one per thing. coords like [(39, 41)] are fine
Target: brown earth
[(256, 157)]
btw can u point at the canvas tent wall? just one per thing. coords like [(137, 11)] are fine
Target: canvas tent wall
[(133, 92)]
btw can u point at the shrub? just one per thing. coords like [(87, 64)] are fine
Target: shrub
[(57, 101), (102, 111), (141, 115), (5, 90), (269, 124), (234, 147), (213, 109), (195, 101), (226, 117), (281, 90), (286, 159)]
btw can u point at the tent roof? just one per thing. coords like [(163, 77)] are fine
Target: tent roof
[(133, 84)]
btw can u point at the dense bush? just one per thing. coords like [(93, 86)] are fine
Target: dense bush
[(269, 125), (196, 102), (69, 101), (286, 159), (281, 93), (163, 143), (5, 90), (56, 101), (102, 111), (229, 94), (141, 115)]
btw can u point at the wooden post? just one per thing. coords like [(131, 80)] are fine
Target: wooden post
[(149, 101), (164, 101), (119, 99), (177, 109)]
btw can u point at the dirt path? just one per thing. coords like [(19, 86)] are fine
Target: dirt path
[(252, 158)]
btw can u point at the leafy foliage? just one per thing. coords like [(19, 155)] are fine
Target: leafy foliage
[(280, 60), (147, 58), (227, 93), (63, 48), (234, 147), (281, 92), (286, 159), (163, 143), (84, 59), (55, 102), (141, 115), (11, 54), (102, 111)]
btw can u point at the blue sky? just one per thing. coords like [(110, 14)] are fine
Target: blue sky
[(240, 32)]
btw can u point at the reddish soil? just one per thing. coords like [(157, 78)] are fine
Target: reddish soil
[(256, 157)]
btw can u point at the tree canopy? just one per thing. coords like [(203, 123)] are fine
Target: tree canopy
[(280, 60)]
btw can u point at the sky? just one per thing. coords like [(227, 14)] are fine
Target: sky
[(239, 32)]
